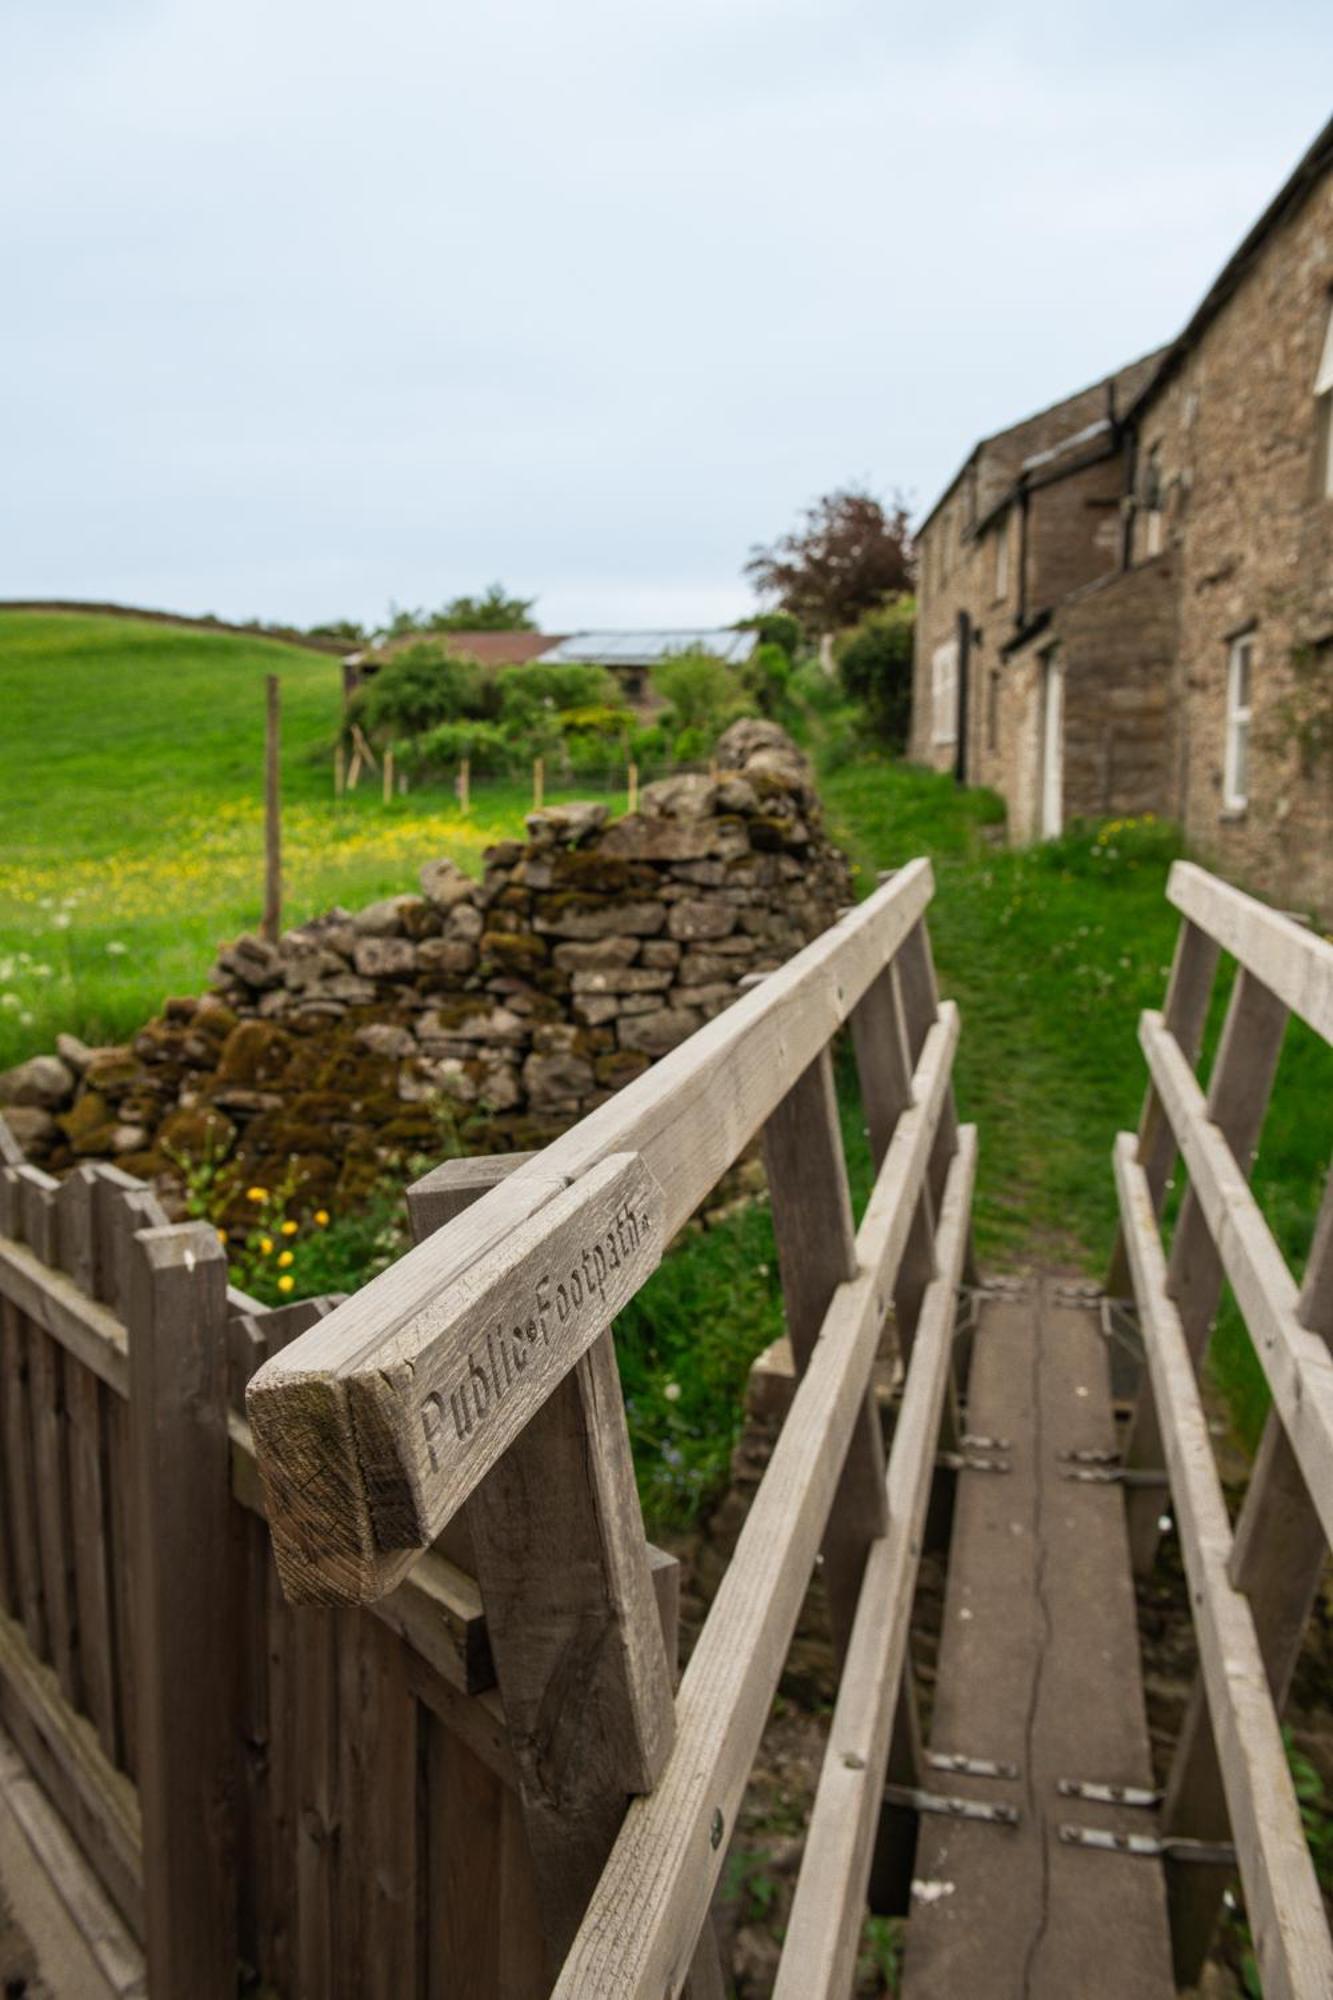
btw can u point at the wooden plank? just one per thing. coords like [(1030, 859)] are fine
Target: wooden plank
[(690, 1117), (91, 1532), (1185, 1010), (1282, 1898), (463, 1910), (54, 1302), (1277, 1562), (112, 1950), (120, 1480), (20, 1494), (377, 1813), (185, 1629), (816, 1243), (1294, 963), (1296, 1362), (445, 1407), (11, 1153), (650, 1904), (1238, 1093), (75, 1234), (824, 1928), (37, 1192), (97, 1802), (50, 1464), (1039, 1669), (879, 1037), (314, 1721)]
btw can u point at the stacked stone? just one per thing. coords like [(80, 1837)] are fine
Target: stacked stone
[(496, 1012)]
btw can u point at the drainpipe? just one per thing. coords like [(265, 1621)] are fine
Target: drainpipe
[(1022, 557), (1130, 457), (964, 651)]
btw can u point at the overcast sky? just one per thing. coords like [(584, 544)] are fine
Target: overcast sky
[(313, 304)]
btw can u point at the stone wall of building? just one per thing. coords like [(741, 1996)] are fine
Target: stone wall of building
[(488, 1015)]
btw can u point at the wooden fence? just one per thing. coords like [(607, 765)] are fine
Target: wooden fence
[(1251, 1590)]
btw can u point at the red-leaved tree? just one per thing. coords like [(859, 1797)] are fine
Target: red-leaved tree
[(849, 554)]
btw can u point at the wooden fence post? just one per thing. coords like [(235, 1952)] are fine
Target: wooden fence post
[(388, 775), (571, 1613), (1238, 1092), (1277, 1560), (632, 788), (538, 782), (180, 1456), (339, 769), (272, 922), (465, 784)]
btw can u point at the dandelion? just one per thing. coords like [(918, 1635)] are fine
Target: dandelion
[(672, 1392), (289, 1228), (321, 1218), (284, 1259), (116, 948), (256, 1194), (222, 1237), (62, 920), (285, 1283), (266, 1245)]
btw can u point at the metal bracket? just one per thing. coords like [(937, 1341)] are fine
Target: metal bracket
[(949, 1806), (971, 1441), (1114, 1475), (1107, 1795), (1090, 1457), (969, 1767), (1120, 1323), (957, 1461), (1076, 1292), (1147, 1847)]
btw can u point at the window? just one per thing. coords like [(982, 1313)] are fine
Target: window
[(1236, 762), (1323, 389), (1002, 560), (1152, 502), (944, 692)]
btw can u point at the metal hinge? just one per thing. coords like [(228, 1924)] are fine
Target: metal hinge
[(948, 1806), (1148, 1847)]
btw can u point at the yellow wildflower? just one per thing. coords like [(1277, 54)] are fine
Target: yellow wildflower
[(284, 1260), (256, 1194), (222, 1236), (289, 1228), (285, 1284), (266, 1245), (321, 1218)]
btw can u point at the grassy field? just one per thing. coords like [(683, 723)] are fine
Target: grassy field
[(131, 844), (131, 815)]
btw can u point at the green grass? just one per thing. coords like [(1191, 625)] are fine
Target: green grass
[(131, 815)]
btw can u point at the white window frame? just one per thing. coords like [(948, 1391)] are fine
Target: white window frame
[(944, 693), (1240, 668), (1002, 560)]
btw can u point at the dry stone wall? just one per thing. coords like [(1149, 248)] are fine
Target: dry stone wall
[(493, 1013)]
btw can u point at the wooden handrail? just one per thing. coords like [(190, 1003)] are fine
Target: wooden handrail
[(1294, 963), (1281, 1889), (1297, 1363), (345, 1498), (641, 1925)]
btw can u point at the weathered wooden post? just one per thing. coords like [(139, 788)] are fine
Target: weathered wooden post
[(272, 811), (538, 782), (388, 775), (180, 1458), (465, 785), (339, 769), (632, 788)]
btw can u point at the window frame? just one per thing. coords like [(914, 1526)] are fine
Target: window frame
[(1002, 560), (1239, 722)]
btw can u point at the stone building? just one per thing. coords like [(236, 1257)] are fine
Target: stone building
[(1126, 602)]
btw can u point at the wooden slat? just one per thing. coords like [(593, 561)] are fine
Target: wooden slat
[(54, 1302), (1282, 1896), (1294, 963), (377, 1741), (125, 1672), (60, 1748), (816, 1243), (879, 1037), (1185, 1011), (689, 1117), (1296, 1362), (650, 1903), (824, 1929), (181, 1502), (1278, 1561), (1238, 1093), (20, 1494), (50, 1463)]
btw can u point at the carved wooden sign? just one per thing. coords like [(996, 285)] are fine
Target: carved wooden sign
[(444, 1394)]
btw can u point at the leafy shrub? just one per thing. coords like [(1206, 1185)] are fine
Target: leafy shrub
[(875, 665), (779, 628), (704, 695), (489, 750), (692, 746), (767, 677), (422, 686)]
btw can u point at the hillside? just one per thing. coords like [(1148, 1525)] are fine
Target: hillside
[(131, 814)]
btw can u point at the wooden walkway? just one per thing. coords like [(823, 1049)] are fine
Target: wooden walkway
[(1039, 1672)]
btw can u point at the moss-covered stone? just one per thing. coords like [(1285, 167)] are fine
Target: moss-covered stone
[(88, 1125), (202, 1133), (255, 1052), (513, 951)]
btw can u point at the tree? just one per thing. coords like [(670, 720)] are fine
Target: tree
[(849, 554), (875, 663), (493, 612)]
